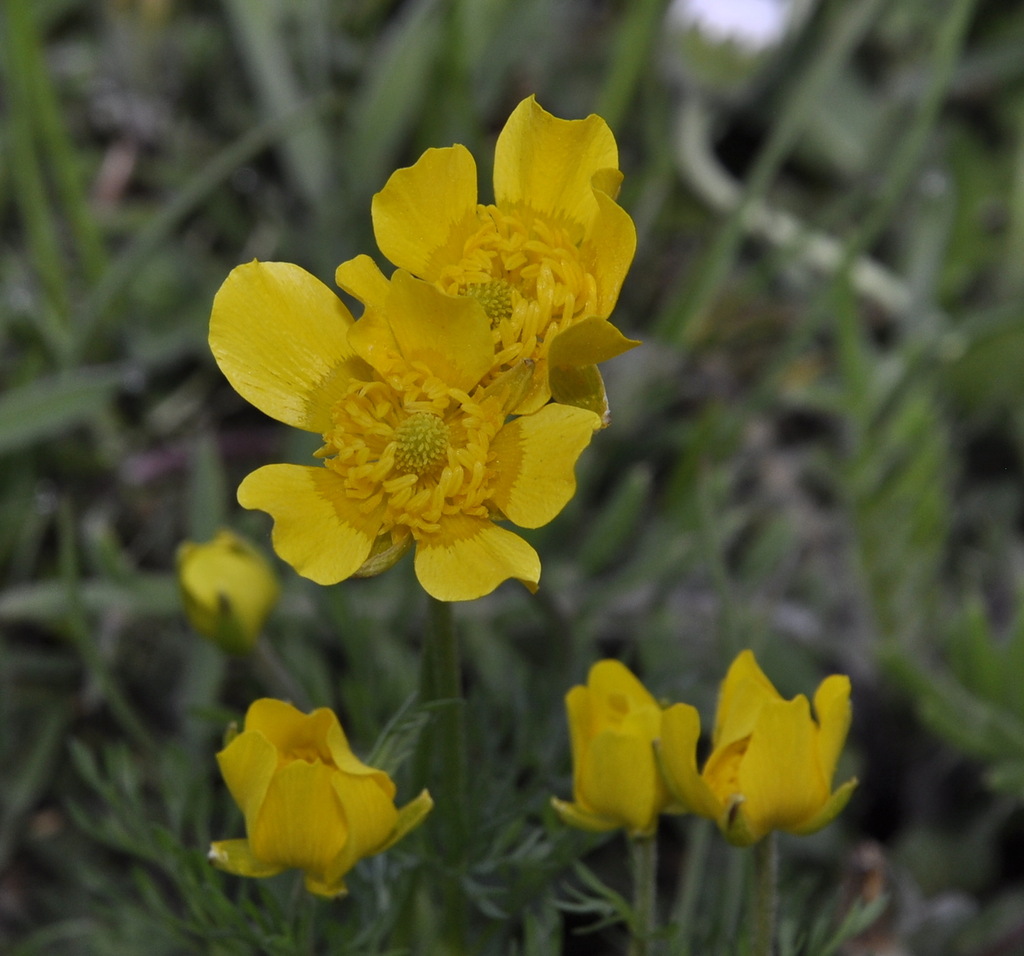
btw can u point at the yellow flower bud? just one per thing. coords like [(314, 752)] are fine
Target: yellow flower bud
[(771, 764), (613, 723), (309, 803), (228, 588)]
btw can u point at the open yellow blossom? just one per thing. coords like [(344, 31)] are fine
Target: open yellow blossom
[(771, 764), (417, 449), (227, 588), (309, 803), (546, 260), (613, 723)]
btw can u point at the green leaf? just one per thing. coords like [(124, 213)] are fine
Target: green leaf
[(45, 408)]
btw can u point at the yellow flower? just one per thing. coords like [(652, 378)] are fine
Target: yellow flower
[(227, 589), (309, 803), (771, 764), (546, 261), (613, 723), (416, 450)]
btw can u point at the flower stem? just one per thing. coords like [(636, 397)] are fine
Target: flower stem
[(644, 860), (766, 867), (447, 738)]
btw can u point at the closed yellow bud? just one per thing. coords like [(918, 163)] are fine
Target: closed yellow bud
[(228, 588), (771, 763), (309, 803), (613, 723)]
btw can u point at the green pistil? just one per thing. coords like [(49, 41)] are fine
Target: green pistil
[(495, 297)]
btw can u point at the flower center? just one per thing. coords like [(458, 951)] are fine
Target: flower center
[(421, 443), (530, 276), (495, 297)]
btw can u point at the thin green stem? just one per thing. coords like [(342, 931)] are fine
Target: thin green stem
[(447, 739), (690, 879), (766, 866), (643, 853)]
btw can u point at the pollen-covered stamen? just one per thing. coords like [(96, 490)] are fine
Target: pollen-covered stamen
[(421, 443), (495, 297)]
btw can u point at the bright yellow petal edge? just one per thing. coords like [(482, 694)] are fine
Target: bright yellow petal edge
[(280, 336)]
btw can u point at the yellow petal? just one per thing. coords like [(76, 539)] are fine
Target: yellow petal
[(409, 817), (608, 248), (620, 781), (247, 765), (534, 458), (450, 335), (317, 530), (617, 695), (831, 809), (573, 815), (424, 212), (361, 277), (279, 336), (470, 557), (588, 342), (677, 756), (832, 706), (581, 729), (780, 777), (282, 724), (744, 690), (547, 163), (351, 765), (370, 815), (235, 856), (300, 823)]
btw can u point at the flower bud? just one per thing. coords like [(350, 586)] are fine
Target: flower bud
[(228, 588), (613, 723), (771, 763), (309, 803)]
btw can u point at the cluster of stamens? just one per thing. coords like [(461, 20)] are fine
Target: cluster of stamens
[(529, 276), (412, 452)]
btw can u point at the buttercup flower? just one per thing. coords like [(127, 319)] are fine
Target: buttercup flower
[(418, 449), (546, 260), (613, 723), (771, 764), (227, 588), (309, 803)]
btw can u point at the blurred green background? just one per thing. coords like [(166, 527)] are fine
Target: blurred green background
[(818, 452)]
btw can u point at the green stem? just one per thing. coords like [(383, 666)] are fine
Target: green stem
[(766, 866), (694, 865), (644, 860), (448, 739)]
